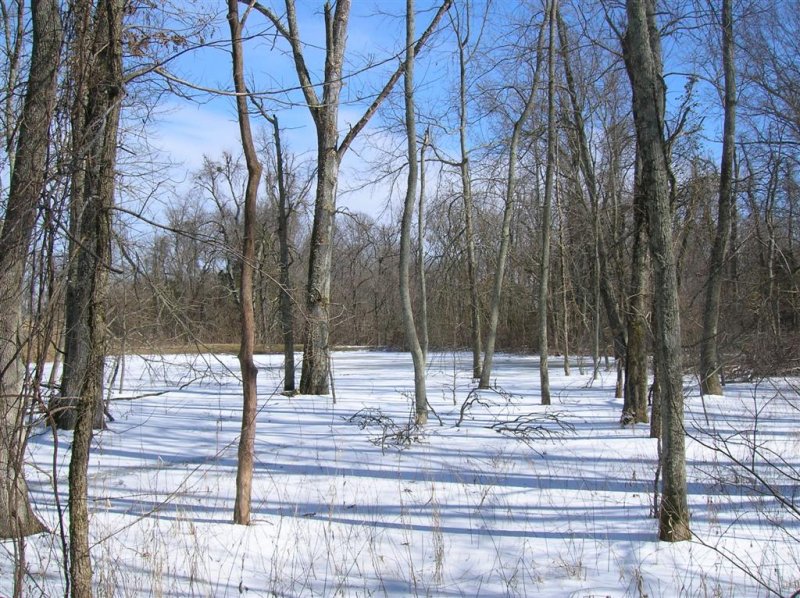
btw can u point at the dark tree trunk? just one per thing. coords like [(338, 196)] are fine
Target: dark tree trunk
[(27, 183), (634, 408), (83, 141), (286, 305), (86, 316), (423, 283), (466, 190), (710, 382), (643, 60)]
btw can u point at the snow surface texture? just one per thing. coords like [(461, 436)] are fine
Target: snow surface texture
[(348, 500)]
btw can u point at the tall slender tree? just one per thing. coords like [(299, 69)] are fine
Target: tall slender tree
[(412, 339), (246, 453), (710, 381), (550, 174), (284, 263), (462, 26)]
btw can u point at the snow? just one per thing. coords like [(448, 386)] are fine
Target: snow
[(340, 509)]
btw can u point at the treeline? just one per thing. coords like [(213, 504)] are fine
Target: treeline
[(179, 286)]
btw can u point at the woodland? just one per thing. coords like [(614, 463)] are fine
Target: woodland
[(610, 187)]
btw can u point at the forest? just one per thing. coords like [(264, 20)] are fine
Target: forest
[(604, 192)]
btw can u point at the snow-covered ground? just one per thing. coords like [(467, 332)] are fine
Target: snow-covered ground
[(343, 507)]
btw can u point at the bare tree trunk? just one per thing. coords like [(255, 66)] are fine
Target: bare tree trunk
[(710, 382), (508, 212), (642, 51), (82, 66), (246, 453), (316, 356), (92, 260), (286, 306), (420, 397), (466, 190), (544, 271), (16, 230), (634, 407), (423, 285), (564, 283)]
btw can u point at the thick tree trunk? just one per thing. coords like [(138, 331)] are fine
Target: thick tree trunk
[(315, 375), (643, 60), (710, 382), (27, 182), (91, 263), (81, 64), (417, 355), (549, 177), (246, 452)]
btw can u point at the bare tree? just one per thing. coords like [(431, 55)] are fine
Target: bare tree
[(508, 211), (246, 454), (324, 111), (642, 49), (710, 382), (464, 55), (284, 261), (634, 407), (544, 268), (423, 283), (90, 263), (16, 231), (412, 339)]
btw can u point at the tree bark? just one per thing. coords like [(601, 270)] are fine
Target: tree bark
[(634, 407), (643, 61), (710, 382), (246, 452), (82, 63), (544, 270), (92, 260), (420, 397), (26, 185)]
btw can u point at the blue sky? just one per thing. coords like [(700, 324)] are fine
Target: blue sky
[(188, 130)]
